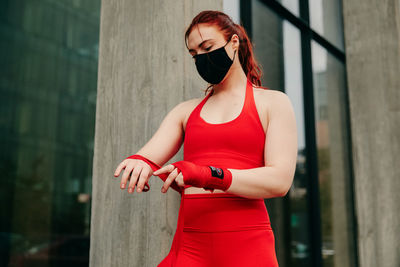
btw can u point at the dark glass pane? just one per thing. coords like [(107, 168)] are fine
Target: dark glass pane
[(291, 5), (277, 47), (327, 20), (333, 158), (48, 63), (299, 220)]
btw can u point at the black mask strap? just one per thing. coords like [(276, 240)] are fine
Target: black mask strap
[(234, 52)]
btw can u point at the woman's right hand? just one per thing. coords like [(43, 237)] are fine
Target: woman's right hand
[(137, 172)]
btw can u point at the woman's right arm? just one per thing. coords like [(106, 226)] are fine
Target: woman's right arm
[(162, 146), (168, 138)]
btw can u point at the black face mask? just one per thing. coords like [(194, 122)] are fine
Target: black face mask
[(214, 65)]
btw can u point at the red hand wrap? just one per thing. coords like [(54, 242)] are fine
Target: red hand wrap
[(155, 167), (207, 177)]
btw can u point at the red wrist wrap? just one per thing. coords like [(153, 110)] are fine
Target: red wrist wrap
[(207, 177), (155, 167)]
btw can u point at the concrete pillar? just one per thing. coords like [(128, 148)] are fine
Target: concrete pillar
[(372, 39), (144, 71)]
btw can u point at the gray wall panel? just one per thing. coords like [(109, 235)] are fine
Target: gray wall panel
[(372, 37), (144, 71)]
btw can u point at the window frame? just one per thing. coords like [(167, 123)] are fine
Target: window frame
[(307, 35)]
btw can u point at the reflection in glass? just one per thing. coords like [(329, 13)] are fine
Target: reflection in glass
[(47, 112), (333, 170), (326, 19), (300, 246), (277, 47), (291, 5)]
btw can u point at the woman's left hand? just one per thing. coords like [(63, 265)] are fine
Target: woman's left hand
[(174, 175)]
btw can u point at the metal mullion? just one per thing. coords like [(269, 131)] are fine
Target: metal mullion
[(303, 23), (333, 50), (313, 202), (245, 16), (311, 154)]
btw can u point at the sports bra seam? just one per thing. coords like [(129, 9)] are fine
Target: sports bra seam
[(246, 116), (195, 110)]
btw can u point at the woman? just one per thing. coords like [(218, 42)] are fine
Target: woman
[(240, 147)]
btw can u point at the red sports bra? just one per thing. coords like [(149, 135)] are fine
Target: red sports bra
[(236, 144)]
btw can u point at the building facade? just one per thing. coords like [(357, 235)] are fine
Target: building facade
[(86, 83)]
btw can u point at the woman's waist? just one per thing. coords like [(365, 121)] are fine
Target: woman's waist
[(225, 159), (220, 212)]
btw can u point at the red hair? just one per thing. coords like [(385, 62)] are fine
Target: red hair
[(228, 28)]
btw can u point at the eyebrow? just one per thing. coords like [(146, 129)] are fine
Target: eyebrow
[(199, 46)]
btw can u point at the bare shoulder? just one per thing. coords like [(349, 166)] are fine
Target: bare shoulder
[(188, 105), (271, 104), (272, 100), (281, 105), (268, 94)]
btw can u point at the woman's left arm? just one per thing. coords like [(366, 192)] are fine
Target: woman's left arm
[(280, 154)]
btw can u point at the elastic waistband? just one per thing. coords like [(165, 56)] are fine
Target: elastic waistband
[(222, 212), (215, 195)]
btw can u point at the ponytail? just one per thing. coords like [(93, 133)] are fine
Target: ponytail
[(228, 28), (246, 57)]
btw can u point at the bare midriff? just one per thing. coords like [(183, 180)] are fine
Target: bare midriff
[(197, 190)]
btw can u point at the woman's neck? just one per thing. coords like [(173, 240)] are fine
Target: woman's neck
[(233, 83)]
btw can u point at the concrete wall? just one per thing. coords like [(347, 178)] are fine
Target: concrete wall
[(372, 38), (144, 71)]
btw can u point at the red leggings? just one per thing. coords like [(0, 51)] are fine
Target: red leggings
[(222, 229)]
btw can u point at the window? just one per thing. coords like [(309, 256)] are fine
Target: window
[(300, 47), (47, 105)]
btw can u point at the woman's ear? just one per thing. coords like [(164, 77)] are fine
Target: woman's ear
[(235, 42)]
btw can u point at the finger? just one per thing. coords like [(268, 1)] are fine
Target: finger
[(167, 168), (135, 174), (144, 174), (179, 179), (162, 170), (171, 177), (126, 175), (119, 168)]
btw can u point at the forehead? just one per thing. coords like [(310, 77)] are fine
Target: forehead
[(201, 32)]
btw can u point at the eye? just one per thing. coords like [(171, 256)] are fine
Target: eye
[(208, 48)]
